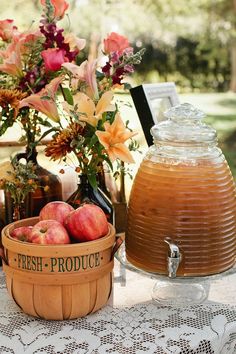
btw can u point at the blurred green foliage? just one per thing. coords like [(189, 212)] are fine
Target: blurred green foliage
[(189, 63)]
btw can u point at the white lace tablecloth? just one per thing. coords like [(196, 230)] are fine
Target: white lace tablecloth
[(131, 323)]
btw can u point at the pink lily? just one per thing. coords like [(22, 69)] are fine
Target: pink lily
[(12, 55), (84, 72), (45, 105), (113, 139), (7, 29), (12, 64), (25, 39), (22, 42)]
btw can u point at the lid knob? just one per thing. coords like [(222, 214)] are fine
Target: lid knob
[(184, 111)]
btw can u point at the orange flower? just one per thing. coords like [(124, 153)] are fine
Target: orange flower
[(115, 43), (60, 6), (113, 139), (75, 42), (11, 98), (87, 110), (46, 188), (45, 100), (61, 143)]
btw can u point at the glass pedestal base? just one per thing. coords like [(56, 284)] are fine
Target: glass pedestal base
[(179, 291)]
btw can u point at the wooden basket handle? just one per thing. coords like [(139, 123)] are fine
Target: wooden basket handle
[(2, 255), (117, 244)]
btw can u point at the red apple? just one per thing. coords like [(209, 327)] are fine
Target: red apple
[(22, 233), (87, 223), (56, 210), (49, 232)]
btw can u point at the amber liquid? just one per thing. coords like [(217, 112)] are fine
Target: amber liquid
[(195, 206), (35, 201)]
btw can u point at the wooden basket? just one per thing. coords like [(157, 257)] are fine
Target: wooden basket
[(58, 282)]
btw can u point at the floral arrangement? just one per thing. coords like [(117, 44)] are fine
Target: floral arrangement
[(48, 88)]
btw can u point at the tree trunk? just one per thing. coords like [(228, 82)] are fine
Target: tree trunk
[(233, 66), (233, 58)]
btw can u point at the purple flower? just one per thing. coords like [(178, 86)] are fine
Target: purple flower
[(128, 68), (114, 58), (128, 51), (54, 39), (118, 76), (106, 69)]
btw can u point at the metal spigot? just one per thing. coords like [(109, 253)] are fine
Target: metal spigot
[(174, 258)]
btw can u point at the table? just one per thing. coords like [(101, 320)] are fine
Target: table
[(131, 323)]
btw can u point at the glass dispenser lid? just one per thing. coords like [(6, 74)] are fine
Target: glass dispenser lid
[(183, 124)]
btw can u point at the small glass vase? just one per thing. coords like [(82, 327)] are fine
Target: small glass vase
[(2, 210), (85, 193), (34, 201), (13, 212)]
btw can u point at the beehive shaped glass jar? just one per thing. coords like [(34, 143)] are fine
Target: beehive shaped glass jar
[(183, 192)]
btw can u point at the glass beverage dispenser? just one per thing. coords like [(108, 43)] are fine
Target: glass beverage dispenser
[(182, 208)]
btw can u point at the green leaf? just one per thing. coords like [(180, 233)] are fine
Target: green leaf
[(46, 133), (92, 180), (99, 75), (93, 141), (5, 125), (46, 98), (44, 122), (109, 163), (127, 86), (68, 96)]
